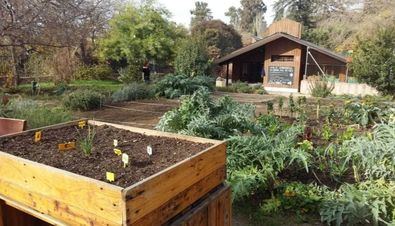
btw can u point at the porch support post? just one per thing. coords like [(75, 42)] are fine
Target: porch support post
[(305, 66), (227, 74), (347, 72)]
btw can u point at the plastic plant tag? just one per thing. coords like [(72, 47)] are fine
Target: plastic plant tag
[(82, 124), (37, 136), (115, 143), (125, 160), (66, 146), (117, 151), (149, 150), (110, 176)]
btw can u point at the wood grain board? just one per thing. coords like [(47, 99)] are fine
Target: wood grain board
[(58, 193), (184, 199), (63, 198), (213, 210)]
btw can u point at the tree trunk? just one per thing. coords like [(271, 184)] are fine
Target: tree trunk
[(15, 73)]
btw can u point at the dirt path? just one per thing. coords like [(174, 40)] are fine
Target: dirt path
[(147, 113), (143, 114)]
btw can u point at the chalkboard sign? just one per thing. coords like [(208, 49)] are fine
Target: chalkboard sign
[(281, 75)]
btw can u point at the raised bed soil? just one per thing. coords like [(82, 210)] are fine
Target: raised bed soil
[(166, 152)]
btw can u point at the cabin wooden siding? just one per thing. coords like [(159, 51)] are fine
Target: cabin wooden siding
[(238, 64), (287, 26), (283, 47), (328, 64)]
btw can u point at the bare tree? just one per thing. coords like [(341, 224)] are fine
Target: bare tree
[(26, 25)]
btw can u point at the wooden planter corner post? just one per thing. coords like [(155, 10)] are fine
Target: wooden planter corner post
[(63, 198)]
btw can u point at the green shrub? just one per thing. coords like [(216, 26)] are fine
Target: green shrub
[(174, 86), (199, 115), (255, 161), (374, 60), (243, 87), (61, 88), (361, 113), (192, 58), (297, 197), (95, 72), (321, 89), (372, 156), (131, 73), (271, 124), (371, 202), (35, 114), (83, 100), (134, 91)]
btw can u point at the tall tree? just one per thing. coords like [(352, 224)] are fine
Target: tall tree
[(27, 25), (220, 38), (307, 12), (140, 33), (201, 13), (374, 61), (252, 11), (301, 11), (234, 17)]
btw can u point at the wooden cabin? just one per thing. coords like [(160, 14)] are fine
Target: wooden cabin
[(281, 60)]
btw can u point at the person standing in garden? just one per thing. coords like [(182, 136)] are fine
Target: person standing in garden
[(146, 72)]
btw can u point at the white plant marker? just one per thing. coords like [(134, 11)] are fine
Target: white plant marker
[(115, 143), (149, 150), (125, 160)]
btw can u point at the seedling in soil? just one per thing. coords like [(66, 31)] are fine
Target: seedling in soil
[(281, 105), (37, 136), (117, 151), (87, 143), (291, 105), (125, 160), (115, 143), (66, 146), (270, 107), (110, 176)]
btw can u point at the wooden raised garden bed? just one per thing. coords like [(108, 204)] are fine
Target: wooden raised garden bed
[(70, 187)]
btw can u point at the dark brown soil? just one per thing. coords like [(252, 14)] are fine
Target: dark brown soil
[(166, 152)]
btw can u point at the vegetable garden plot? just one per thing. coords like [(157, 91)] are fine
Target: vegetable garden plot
[(130, 176)]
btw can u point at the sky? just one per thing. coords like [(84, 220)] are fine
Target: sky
[(180, 9)]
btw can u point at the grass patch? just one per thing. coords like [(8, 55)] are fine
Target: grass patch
[(103, 86), (35, 114)]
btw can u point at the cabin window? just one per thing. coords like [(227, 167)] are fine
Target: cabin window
[(280, 58)]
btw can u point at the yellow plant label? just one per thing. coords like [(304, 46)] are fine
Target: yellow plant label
[(125, 160), (110, 176), (117, 151), (37, 136), (115, 143), (66, 146), (82, 124)]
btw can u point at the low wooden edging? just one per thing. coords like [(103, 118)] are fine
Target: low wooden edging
[(71, 199)]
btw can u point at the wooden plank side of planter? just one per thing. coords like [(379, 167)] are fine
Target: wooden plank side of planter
[(213, 210), (63, 195), (182, 200), (31, 212), (153, 192), (157, 133)]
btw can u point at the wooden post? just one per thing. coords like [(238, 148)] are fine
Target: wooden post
[(305, 66), (227, 74), (347, 72), (1, 213)]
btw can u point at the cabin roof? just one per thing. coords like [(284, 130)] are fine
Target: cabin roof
[(274, 37)]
